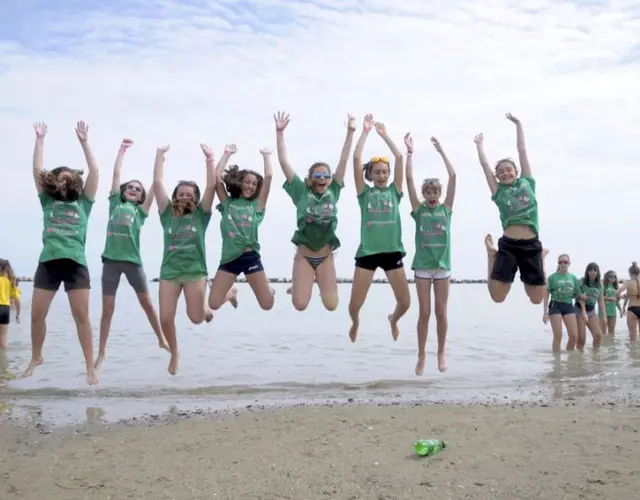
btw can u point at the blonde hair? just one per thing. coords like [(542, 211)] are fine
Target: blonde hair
[(309, 182)]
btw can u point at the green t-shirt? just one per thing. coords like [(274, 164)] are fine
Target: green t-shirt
[(433, 237), (610, 308), (317, 214), (184, 245), (518, 204), (563, 287), (123, 231), (239, 227), (592, 292), (64, 233), (380, 225)]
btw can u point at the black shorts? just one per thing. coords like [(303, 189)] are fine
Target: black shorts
[(50, 274), (561, 308), (248, 263), (385, 261), (5, 315), (523, 255)]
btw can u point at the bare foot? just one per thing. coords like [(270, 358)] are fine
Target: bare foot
[(173, 363), (92, 377), (353, 331), (420, 364), (33, 364), (488, 242), (208, 315), (99, 360), (442, 364), (163, 345), (234, 298), (394, 327)]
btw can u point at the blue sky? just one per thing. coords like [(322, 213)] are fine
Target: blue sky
[(162, 71)]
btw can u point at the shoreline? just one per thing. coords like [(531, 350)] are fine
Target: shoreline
[(568, 450)]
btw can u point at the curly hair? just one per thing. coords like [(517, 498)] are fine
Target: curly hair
[(123, 188), (7, 270), (67, 188), (182, 207), (233, 178), (319, 164)]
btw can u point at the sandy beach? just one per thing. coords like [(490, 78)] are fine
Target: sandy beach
[(343, 452)]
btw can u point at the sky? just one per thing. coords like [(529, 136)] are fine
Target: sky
[(185, 72)]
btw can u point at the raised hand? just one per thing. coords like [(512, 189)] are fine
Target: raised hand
[(512, 118), (408, 142), (208, 152), (126, 144), (40, 129), (163, 149), (351, 122), (368, 122), (230, 149), (436, 144), (282, 120), (82, 131), (266, 152), (380, 128), (479, 139)]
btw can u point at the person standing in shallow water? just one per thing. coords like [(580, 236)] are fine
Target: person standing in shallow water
[(612, 305), (631, 291), (591, 295), (129, 205), (519, 248), (432, 261), (66, 205), (380, 228)]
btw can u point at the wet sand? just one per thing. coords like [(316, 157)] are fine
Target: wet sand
[(341, 452)]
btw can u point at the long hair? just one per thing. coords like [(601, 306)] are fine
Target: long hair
[(123, 188), (183, 207), (592, 266), (233, 178), (62, 188), (607, 278), (309, 181), (7, 270)]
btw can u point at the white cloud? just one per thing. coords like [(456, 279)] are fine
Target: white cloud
[(172, 72)]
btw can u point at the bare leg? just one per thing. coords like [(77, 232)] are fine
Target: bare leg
[(147, 306), (302, 282), (79, 302), (40, 304), (220, 288), (498, 290), (596, 333), (194, 297), (168, 295), (581, 325), (632, 325), (262, 290), (423, 287), (4, 347), (611, 324), (108, 307), (362, 279), (556, 328), (328, 283), (398, 281), (441, 292), (571, 323)]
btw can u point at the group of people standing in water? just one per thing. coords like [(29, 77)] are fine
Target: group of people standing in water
[(243, 194)]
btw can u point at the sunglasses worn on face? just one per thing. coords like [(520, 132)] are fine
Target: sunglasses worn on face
[(318, 175), (563, 262), (379, 159)]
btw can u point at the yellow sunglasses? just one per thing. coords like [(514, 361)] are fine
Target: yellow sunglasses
[(379, 159)]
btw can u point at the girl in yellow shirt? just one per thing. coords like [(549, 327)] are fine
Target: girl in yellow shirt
[(9, 294)]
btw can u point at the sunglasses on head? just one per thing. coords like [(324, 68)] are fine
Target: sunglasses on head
[(432, 180), (321, 175), (379, 159)]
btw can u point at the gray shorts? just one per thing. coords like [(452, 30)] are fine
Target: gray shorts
[(590, 314), (113, 269)]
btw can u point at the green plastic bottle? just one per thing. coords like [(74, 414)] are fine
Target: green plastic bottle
[(428, 447)]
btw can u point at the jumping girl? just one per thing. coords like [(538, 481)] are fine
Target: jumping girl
[(243, 197), (519, 248), (129, 207), (184, 218), (432, 261), (316, 200), (631, 290), (591, 295), (380, 228), (563, 288), (9, 294), (612, 305), (66, 206)]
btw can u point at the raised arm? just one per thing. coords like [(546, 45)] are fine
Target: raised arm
[(210, 186), (41, 130), (282, 120), (346, 150), (411, 185), (229, 151), (146, 206), (117, 166), (358, 174), (159, 190), (91, 184), (268, 177), (522, 147), (398, 167), (488, 173), (451, 183)]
